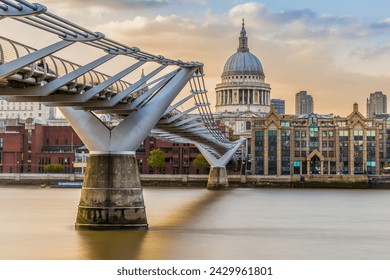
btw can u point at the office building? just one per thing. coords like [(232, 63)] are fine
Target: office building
[(304, 103), (376, 104), (319, 144), (279, 105)]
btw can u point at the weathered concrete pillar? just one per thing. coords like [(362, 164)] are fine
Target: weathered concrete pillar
[(111, 196), (218, 179)]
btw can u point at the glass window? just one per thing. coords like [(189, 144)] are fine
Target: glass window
[(343, 133), (313, 128), (285, 123), (259, 133), (371, 133), (248, 125), (342, 123), (324, 133)]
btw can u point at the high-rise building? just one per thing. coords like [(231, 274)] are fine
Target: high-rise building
[(304, 103), (279, 105), (376, 104)]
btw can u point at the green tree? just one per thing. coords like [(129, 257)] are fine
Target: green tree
[(54, 168), (157, 159), (200, 162)]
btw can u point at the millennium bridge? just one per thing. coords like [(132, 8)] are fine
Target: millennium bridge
[(111, 196)]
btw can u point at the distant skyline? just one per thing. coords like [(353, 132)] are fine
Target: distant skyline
[(338, 51)]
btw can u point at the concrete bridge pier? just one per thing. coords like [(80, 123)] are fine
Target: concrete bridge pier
[(111, 197), (217, 178)]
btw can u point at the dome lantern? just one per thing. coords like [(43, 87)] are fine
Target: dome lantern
[(243, 62), (243, 40)]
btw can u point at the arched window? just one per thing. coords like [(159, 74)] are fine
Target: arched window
[(248, 125)]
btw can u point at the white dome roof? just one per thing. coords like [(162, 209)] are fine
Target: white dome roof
[(243, 63)]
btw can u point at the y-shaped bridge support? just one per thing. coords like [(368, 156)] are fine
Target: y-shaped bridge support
[(111, 195), (218, 177)]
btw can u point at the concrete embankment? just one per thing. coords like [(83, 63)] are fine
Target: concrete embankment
[(244, 181)]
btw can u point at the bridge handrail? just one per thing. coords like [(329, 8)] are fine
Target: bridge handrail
[(53, 66), (66, 30)]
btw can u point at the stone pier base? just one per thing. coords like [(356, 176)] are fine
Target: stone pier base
[(111, 196), (217, 178)]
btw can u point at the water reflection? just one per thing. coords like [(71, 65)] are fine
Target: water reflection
[(199, 224), (111, 245), (180, 209)]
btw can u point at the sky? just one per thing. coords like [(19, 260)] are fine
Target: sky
[(338, 51)]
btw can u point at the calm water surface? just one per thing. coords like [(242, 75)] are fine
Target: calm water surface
[(199, 224)]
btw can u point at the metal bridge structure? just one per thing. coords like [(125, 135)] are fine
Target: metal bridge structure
[(150, 103)]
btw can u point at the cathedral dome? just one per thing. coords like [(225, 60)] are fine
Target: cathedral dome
[(243, 62)]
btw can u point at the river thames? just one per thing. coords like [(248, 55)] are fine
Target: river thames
[(193, 223)]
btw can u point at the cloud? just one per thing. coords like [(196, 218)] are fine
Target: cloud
[(371, 53), (306, 23), (300, 49), (117, 4)]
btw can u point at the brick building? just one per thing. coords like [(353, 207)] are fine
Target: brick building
[(178, 157), (26, 146)]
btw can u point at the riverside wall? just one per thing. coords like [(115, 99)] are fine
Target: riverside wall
[(242, 181)]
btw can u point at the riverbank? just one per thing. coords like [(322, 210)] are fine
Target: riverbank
[(243, 181)]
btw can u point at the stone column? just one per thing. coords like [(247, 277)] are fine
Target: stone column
[(308, 167), (377, 159), (336, 149), (261, 97), (266, 151), (279, 152), (322, 167), (351, 154), (365, 150), (111, 196)]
